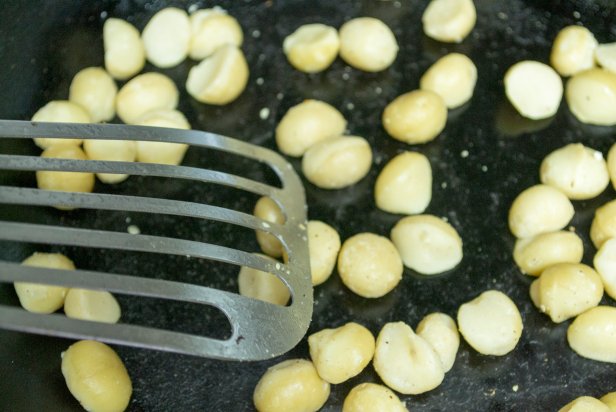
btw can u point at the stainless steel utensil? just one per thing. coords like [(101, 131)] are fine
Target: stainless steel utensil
[(259, 330)]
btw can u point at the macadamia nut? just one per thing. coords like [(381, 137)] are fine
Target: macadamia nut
[(96, 377), (95, 305), (490, 323), (591, 96), (611, 164), (211, 29), (323, 245), (94, 90), (369, 397), (60, 111), (116, 150), (539, 209), (610, 400), (565, 290), (405, 184), (306, 124), (337, 162), (341, 353), (312, 47), (145, 93), (369, 265), (534, 89), (65, 181), (415, 117), (367, 44), (124, 51), (534, 254), (220, 78), (585, 404), (427, 244), (593, 334), (605, 55), (578, 171), (453, 77), (603, 225), (440, 331), (292, 385), (268, 210), (264, 286), (605, 265), (162, 152), (40, 298), (166, 37), (573, 50), (405, 361), (449, 20)]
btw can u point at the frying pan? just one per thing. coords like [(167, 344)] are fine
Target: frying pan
[(44, 43)]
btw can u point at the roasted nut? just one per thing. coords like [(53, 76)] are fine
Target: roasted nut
[(116, 150), (367, 397), (65, 181), (440, 331), (452, 77), (211, 29), (449, 20), (312, 47), (585, 404), (38, 298), (591, 96), (405, 184), (261, 285), (323, 245), (605, 265), (367, 44), (268, 210), (603, 225), (60, 111), (95, 305), (427, 244), (94, 90), (166, 37), (124, 51), (162, 152), (565, 290), (593, 334), (605, 55), (490, 323), (573, 50), (145, 93), (534, 254)]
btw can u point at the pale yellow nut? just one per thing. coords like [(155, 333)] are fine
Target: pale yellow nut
[(65, 181), (220, 78), (337, 162), (603, 225), (162, 152), (610, 400), (405, 184), (116, 150), (453, 77), (490, 323), (292, 385), (578, 171), (415, 117), (611, 164), (605, 265), (534, 254), (40, 298), (211, 29), (96, 377), (60, 111), (449, 20), (573, 50), (371, 397), (585, 404), (264, 286), (341, 353), (591, 96), (406, 362), (440, 331), (145, 93), (605, 55), (565, 290), (166, 37), (95, 305), (369, 265), (593, 334), (368, 44), (312, 47), (534, 89), (323, 245), (95, 90), (124, 51), (268, 210), (539, 209), (427, 244), (307, 123)]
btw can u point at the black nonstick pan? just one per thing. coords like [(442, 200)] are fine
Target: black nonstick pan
[(486, 155)]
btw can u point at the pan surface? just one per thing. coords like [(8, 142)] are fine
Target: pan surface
[(482, 160)]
